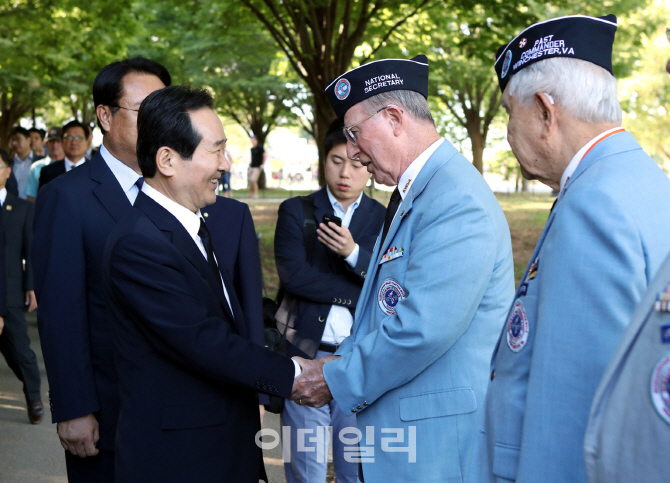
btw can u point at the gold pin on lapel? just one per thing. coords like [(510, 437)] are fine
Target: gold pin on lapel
[(406, 185), (206, 215), (9, 207)]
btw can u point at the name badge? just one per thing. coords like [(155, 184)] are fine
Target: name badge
[(392, 253)]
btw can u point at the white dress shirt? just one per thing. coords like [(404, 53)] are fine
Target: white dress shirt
[(124, 174), (412, 171), (340, 320), (577, 158), (21, 170), (3, 196), (69, 164)]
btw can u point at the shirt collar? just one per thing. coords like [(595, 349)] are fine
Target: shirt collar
[(69, 164), (3, 196), (577, 158), (412, 171), (334, 203), (124, 174), (190, 220), (18, 160)]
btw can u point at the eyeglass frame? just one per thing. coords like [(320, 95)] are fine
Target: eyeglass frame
[(351, 136), (73, 138), (126, 108)]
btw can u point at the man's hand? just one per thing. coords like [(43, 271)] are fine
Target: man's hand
[(2, 324), (31, 300), (310, 388), (261, 409), (337, 238), (79, 436)]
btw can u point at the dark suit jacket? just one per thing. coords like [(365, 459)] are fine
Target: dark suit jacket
[(188, 372), (234, 236), (73, 217), (327, 280), (17, 217), (50, 172)]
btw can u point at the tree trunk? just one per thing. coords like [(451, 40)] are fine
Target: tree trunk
[(478, 144), (323, 116), (524, 185)]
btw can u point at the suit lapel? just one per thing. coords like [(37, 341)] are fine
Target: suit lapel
[(322, 207), (109, 191), (177, 234), (8, 213)]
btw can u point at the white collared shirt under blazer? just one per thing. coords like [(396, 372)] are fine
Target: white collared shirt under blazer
[(415, 368), (604, 241)]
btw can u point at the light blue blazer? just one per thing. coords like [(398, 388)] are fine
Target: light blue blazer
[(628, 434), (605, 239), (424, 368)]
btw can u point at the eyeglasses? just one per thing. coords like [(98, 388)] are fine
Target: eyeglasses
[(74, 138), (351, 136), (126, 108)]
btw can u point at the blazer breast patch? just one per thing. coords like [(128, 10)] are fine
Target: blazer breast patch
[(660, 387), (392, 253), (390, 293), (517, 327)]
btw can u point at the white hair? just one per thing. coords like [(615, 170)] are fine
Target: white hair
[(413, 102), (584, 90)]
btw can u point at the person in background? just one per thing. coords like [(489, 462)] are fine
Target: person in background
[(37, 143), (257, 164), (55, 148), (75, 142), (334, 271), (17, 283), (224, 182), (19, 139)]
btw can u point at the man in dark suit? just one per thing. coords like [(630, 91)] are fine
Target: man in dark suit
[(326, 285), (17, 225), (188, 373), (75, 136), (234, 237), (73, 217)]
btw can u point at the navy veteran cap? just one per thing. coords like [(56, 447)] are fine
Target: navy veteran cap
[(376, 77), (575, 36)]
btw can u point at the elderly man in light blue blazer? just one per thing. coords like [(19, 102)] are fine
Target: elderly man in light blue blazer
[(415, 369), (606, 237)]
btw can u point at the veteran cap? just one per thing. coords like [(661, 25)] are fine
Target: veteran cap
[(55, 134), (575, 36), (376, 77)]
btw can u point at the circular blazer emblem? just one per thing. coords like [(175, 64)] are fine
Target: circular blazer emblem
[(660, 387), (517, 327), (342, 89), (506, 64), (390, 293)]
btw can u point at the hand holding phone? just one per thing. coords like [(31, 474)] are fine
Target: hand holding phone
[(331, 218)]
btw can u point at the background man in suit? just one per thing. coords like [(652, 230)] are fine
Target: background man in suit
[(75, 139), (17, 224), (179, 332), (73, 217), (335, 269), (437, 289), (604, 241), (37, 143), (234, 236), (55, 148)]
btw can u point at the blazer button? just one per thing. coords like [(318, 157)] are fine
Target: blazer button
[(321, 318), (363, 274), (334, 300), (366, 403), (359, 407), (353, 410), (493, 374), (348, 302)]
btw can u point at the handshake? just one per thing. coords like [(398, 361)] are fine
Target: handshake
[(310, 388)]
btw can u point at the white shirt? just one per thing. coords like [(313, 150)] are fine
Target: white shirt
[(69, 164), (412, 171), (124, 174), (3, 196), (577, 158), (340, 320)]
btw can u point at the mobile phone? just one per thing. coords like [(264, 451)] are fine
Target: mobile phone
[(332, 218)]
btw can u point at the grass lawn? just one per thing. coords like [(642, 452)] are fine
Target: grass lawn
[(526, 214)]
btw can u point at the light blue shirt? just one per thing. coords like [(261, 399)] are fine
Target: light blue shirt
[(125, 175), (33, 184), (21, 171)]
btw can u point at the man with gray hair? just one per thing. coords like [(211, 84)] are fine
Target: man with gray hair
[(605, 239), (415, 367)]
